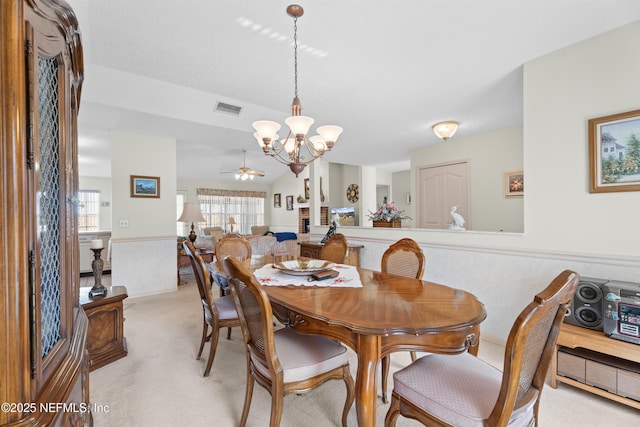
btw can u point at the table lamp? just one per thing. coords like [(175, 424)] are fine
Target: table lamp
[(232, 222), (191, 213)]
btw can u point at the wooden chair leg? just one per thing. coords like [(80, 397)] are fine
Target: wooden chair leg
[(393, 412), (203, 340), (386, 362), (247, 398), (348, 380), (277, 401), (229, 333), (212, 351)]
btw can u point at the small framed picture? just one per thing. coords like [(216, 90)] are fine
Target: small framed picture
[(289, 203), (276, 200), (614, 153), (514, 184), (145, 186), (306, 189)]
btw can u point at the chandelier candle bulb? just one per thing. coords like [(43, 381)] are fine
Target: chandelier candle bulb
[(96, 244)]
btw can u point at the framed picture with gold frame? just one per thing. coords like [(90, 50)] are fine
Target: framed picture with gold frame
[(514, 183), (614, 153), (145, 186)]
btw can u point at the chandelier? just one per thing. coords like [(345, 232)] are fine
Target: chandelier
[(297, 149)]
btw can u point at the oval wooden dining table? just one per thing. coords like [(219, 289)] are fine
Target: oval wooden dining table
[(389, 313)]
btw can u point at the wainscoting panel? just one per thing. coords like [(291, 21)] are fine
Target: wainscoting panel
[(504, 281), (145, 266)]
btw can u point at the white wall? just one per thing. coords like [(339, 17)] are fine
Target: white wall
[(565, 226), (144, 253), (401, 185), (287, 185), (563, 90), (489, 155)]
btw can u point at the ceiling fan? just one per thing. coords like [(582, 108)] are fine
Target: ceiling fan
[(244, 172)]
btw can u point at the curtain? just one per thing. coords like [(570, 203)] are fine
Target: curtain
[(219, 206)]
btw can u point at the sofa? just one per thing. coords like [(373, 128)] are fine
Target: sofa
[(259, 230), (276, 243)]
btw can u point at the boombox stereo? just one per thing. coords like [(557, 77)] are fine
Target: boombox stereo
[(587, 307), (622, 311)]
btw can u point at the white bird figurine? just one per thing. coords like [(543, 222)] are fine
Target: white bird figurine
[(457, 221)]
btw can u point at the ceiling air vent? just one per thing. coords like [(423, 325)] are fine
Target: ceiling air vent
[(228, 108)]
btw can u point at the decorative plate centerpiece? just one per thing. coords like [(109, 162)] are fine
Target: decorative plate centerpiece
[(299, 267)]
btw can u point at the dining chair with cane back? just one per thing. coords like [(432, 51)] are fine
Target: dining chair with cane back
[(231, 244), (405, 258), (217, 312), (462, 390), (335, 249), (282, 361)]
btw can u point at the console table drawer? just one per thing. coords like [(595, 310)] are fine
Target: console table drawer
[(629, 384), (571, 366), (601, 376)]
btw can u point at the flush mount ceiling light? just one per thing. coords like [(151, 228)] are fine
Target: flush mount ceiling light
[(445, 130), (296, 150)]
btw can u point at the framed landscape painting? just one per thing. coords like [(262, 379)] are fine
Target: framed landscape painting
[(145, 186), (614, 153), (289, 203), (276, 200)]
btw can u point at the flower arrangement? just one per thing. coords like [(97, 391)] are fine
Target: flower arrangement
[(387, 212)]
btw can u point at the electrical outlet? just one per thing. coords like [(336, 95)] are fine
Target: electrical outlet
[(124, 223)]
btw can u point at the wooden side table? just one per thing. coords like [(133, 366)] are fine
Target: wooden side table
[(312, 250), (598, 362), (105, 336), (184, 261)]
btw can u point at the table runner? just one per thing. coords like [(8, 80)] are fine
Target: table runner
[(348, 278)]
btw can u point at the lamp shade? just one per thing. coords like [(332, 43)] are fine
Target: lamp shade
[(232, 220), (289, 144), (445, 130), (329, 133), (266, 129), (191, 213), (299, 125), (318, 143)]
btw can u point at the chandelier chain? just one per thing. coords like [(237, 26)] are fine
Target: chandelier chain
[(295, 55)]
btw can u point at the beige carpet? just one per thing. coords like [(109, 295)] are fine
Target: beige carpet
[(160, 383)]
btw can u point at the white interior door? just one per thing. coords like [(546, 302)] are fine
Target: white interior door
[(440, 187)]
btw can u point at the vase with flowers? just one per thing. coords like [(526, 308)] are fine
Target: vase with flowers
[(387, 215)]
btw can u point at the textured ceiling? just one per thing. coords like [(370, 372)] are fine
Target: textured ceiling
[(385, 71)]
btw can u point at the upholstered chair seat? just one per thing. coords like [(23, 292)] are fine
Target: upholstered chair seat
[(460, 389), (226, 308), (304, 356), (464, 391), (282, 361)]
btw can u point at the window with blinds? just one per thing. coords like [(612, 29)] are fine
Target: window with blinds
[(220, 206), (88, 210)]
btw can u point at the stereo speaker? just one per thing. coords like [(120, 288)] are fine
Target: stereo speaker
[(587, 306)]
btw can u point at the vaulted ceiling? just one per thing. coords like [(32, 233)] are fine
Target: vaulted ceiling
[(385, 71)]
